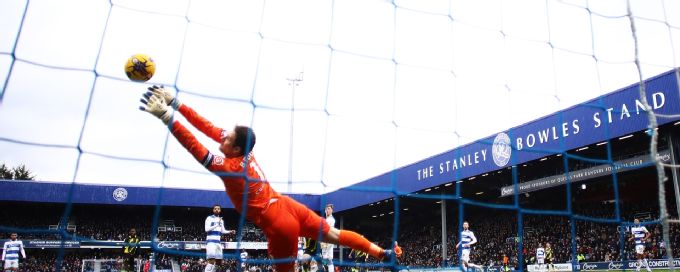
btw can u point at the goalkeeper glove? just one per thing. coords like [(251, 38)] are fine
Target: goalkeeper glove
[(157, 107), (170, 99)]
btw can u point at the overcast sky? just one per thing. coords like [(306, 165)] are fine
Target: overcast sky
[(383, 84)]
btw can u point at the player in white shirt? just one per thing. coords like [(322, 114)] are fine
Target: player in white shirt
[(467, 239), (326, 248), (10, 253), (214, 228), (300, 253), (540, 256), (244, 257), (640, 234)]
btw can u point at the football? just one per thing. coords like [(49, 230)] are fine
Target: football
[(140, 67)]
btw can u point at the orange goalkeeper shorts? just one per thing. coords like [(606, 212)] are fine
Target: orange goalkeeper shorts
[(283, 222)]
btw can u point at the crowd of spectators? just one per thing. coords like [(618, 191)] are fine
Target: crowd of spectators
[(497, 236), (45, 260), (496, 232), (91, 223)]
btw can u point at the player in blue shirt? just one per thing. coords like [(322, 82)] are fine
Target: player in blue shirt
[(10, 253), (540, 256), (467, 239), (214, 228), (640, 234)]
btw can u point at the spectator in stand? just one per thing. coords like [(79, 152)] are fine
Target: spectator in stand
[(505, 262)]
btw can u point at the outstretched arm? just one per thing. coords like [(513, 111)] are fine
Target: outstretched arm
[(201, 123), (157, 107), (200, 153), (196, 120)]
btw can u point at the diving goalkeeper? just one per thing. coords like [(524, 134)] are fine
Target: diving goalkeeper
[(281, 218)]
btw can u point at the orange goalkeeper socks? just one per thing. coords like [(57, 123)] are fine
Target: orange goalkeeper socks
[(354, 240)]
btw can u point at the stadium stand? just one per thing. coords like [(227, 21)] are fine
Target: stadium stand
[(496, 231)]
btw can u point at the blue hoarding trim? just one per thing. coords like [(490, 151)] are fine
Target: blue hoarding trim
[(620, 265), (32, 191)]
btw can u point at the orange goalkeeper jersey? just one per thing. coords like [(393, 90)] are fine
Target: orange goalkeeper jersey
[(232, 171)]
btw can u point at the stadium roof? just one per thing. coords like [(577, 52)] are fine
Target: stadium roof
[(600, 119)]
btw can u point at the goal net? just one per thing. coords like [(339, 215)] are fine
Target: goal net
[(108, 265), (395, 81)]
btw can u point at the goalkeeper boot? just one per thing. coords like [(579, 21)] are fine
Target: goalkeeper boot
[(396, 251)]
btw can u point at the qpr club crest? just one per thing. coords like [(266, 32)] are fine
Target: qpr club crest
[(501, 150), (120, 194)]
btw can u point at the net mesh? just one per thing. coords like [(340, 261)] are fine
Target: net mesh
[(418, 77)]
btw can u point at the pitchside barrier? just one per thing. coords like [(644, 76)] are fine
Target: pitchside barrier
[(175, 245), (629, 264), (556, 267), (610, 266)]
